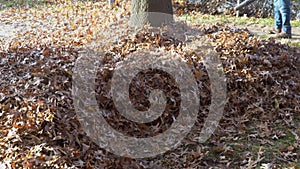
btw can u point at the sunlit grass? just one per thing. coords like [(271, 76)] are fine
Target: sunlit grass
[(205, 18), (22, 3), (296, 44)]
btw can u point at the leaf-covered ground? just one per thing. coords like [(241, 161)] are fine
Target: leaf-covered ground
[(38, 124)]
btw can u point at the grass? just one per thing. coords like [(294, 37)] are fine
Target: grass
[(270, 149), (296, 44), (278, 147), (205, 18), (245, 21), (22, 3)]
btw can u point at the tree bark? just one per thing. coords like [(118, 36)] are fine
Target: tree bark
[(154, 12)]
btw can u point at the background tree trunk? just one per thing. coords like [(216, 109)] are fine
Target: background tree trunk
[(154, 12)]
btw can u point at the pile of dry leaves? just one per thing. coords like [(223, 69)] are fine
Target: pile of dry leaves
[(39, 127)]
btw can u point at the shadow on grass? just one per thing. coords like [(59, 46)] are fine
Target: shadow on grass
[(23, 3)]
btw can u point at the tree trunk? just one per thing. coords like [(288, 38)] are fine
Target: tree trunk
[(154, 12)]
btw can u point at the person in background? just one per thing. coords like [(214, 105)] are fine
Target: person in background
[(282, 15)]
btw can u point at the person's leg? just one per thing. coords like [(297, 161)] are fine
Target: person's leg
[(277, 15), (285, 11)]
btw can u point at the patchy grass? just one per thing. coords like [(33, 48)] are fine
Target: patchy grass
[(22, 3), (265, 36), (205, 18), (273, 151), (290, 43), (244, 21), (279, 146), (296, 44)]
